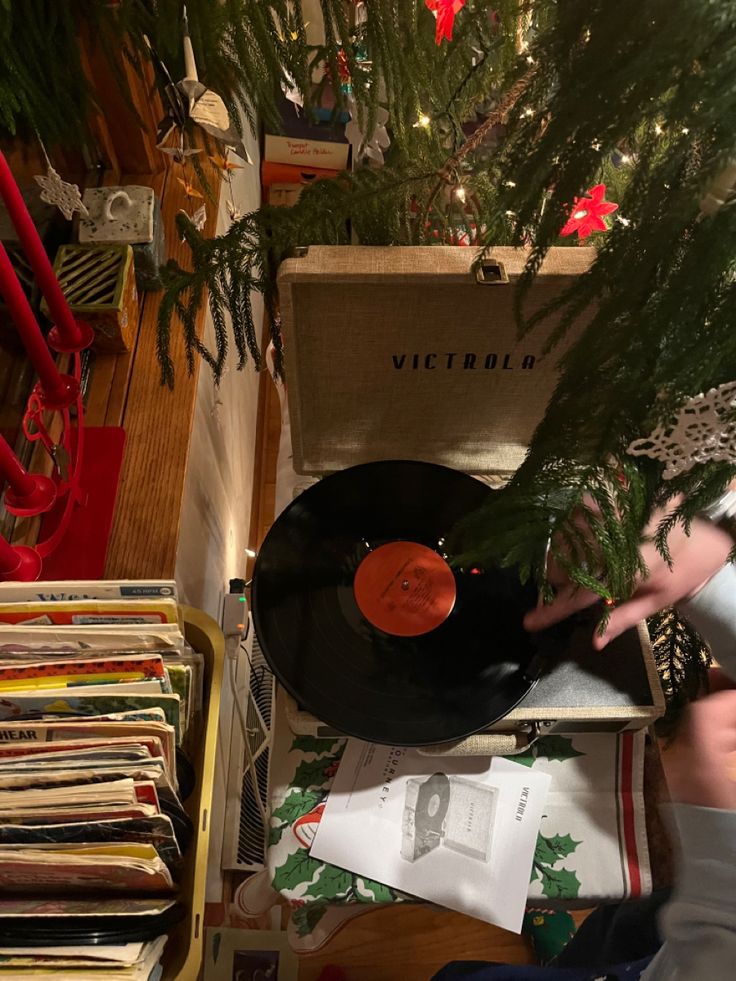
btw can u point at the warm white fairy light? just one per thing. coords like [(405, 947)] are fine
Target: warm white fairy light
[(460, 193), (685, 131), (658, 129), (625, 158), (510, 184), (422, 121), (528, 113)]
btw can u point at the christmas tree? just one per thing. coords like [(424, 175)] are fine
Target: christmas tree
[(509, 121)]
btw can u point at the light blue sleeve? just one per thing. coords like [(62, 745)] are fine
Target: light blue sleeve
[(698, 925), (712, 611)]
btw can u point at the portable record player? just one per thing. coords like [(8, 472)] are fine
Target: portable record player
[(428, 369)]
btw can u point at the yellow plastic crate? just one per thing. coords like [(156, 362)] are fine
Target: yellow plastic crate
[(183, 955)]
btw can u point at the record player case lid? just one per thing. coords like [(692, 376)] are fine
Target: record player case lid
[(410, 353)]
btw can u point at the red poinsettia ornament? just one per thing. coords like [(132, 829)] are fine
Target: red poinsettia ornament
[(444, 11), (587, 213)]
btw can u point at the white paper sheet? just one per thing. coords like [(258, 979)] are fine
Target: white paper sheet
[(460, 832)]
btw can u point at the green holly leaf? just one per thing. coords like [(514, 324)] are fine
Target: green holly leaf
[(312, 773), (298, 869), (556, 748), (331, 883), (306, 918), (297, 803), (275, 833), (559, 883), (549, 851), (311, 744), (562, 845), (381, 893), (526, 759)]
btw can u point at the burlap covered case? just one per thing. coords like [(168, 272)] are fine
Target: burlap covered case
[(408, 353)]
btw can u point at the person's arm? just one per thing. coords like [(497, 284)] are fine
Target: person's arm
[(696, 559), (712, 611), (698, 925)]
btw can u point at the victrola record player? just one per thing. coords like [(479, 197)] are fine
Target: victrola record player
[(411, 354)]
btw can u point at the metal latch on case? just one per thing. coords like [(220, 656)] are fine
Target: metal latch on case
[(491, 272)]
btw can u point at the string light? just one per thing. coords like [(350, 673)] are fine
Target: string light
[(658, 129), (625, 158), (510, 184), (528, 113), (685, 131), (460, 193), (422, 121)]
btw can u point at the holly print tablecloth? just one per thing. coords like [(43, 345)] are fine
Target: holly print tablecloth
[(592, 845)]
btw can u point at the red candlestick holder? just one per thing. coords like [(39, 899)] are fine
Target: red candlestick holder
[(19, 563), (27, 494), (58, 391), (68, 336)]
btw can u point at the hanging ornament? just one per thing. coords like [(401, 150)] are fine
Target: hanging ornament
[(225, 165), (373, 145), (291, 92), (233, 211), (189, 101), (703, 431), (444, 11), (64, 196), (189, 189), (587, 213), (343, 70), (199, 218)]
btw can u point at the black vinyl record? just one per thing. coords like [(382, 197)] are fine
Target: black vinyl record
[(367, 626)]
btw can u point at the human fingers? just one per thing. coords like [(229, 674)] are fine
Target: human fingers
[(642, 605), (570, 599)]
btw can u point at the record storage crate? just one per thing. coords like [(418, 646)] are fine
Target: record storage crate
[(182, 959)]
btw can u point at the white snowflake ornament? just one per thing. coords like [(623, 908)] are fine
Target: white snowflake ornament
[(64, 196), (372, 145), (703, 431)]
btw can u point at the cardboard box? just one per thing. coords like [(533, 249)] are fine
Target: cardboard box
[(304, 142)]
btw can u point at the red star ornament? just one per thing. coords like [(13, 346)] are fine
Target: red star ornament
[(444, 11), (587, 213)]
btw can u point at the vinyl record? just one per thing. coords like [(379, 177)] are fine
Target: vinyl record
[(364, 622)]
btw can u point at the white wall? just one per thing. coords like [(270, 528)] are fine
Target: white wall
[(219, 483)]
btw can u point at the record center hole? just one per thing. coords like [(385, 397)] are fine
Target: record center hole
[(434, 805), (405, 584)]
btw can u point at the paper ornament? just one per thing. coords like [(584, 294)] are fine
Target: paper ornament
[(191, 101), (373, 145), (703, 431), (64, 196)]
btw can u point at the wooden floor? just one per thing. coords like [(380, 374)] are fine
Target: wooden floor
[(411, 944), (396, 943)]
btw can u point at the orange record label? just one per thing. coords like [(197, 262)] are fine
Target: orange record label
[(404, 589)]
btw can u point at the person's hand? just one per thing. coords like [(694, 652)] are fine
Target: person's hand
[(696, 558), (701, 761)]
